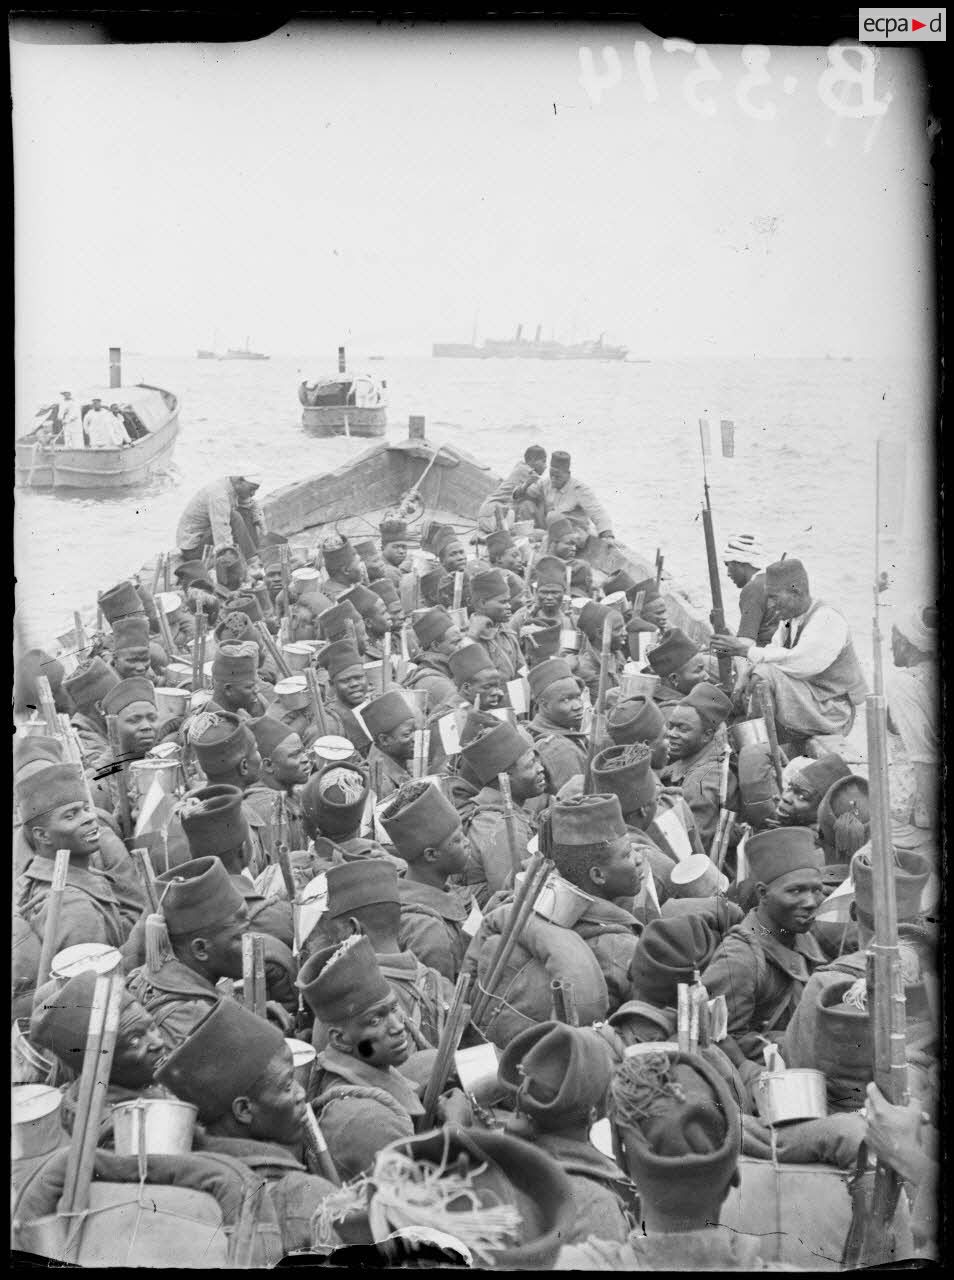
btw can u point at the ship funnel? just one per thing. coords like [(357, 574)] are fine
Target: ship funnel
[(115, 367), (539, 332), (519, 332), (341, 359)]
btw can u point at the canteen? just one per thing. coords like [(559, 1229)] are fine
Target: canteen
[(153, 1127), (83, 957), (168, 601), (292, 693), (559, 901), (696, 877), (745, 732), (298, 655), (303, 1055), (633, 684), (476, 1069), (570, 640), (333, 749), (172, 702), (35, 1116), (797, 1093)]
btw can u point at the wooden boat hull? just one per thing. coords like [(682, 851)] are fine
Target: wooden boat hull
[(359, 493), (44, 467), (40, 468), (344, 420)]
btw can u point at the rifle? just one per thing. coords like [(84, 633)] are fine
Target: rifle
[(767, 708), (122, 778), (253, 973), (510, 821), (311, 679), (717, 613), (868, 1242), (54, 906), (286, 602), (724, 813), (457, 1018), (48, 706), (600, 699)]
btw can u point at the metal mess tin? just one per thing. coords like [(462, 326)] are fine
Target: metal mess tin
[(794, 1094)]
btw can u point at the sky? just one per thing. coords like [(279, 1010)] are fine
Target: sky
[(389, 187)]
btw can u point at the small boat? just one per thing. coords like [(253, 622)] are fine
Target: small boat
[(351, 404), (150, 414), (202, 354)]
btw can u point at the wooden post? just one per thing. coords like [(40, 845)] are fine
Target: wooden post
[(115, 367), (122, 778), (54, 907)]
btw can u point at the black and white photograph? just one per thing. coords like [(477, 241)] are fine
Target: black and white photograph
[(477, 622)]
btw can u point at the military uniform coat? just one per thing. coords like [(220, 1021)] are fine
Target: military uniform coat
[(762, 981), (699, 778), (346, 726), (589, 669), (489, 861), (263, 799), (611, 933), (360, 1109), (387, 774), (600, 1190), (432, 923), (431, 672), (176, 996), (93, 741), (561, 751)]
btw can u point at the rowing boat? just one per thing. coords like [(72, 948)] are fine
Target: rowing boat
[(152, 412)]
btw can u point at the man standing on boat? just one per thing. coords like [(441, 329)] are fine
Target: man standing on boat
[(519, 493), (743, 558), (103, 429), (70, 424), (213, 517), (564, 494), (810, 668)]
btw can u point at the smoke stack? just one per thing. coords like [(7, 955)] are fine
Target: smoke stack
[(539, 332), (115, 367)]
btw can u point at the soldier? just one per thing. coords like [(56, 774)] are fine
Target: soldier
[(593, 850), (87, 687), (743, 558), (385, 590), (394, 548), (196, 941), (366, 893), (239, 1072), (763, 964), (370, 553), (26, 699), (518, 492), (55, 814), (479, 685), (570, 498), (558, 1077), (227, 753), (132, 654), (341, 622), (60, 1024), (490, 613), (439, 636), (235, 684), (359, 1095), (215, 827), (555, 728), (590, 622), (133, 703), (285, 770), (343, 565), (391, 721), (180, 620), (695, 756), (639, 719), (425, 830), (911, 687), (805, 789), (349, 684), (490, 861), (546, 607), (561, 545), (333, 802), (680, 666), (505, 554), (373, 613), (679, 1135)]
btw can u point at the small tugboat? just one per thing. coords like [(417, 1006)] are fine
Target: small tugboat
[(240, 353), (150, 416), (352, 404)]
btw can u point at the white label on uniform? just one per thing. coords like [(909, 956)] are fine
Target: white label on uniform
[(517, 691), (718, 1019), (449, 727), (473, 921), (675, 833)]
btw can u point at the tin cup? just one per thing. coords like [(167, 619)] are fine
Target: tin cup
[(298, 655), (696, 877), (477, 1072), (292, 693), (795, 1094), (333, 749), (153, 1127), (172, 702), (559, 901), (303, 1055), (746, 732), (82, 958), (35, 1120), (633, 684), (570, 641)]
